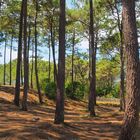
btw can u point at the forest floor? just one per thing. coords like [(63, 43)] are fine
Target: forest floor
[(37, 122)]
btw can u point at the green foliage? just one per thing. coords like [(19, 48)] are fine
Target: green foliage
[(108, 91), (50, 90), (75, 90)]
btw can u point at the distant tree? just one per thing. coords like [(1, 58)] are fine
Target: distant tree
[(4, 72), (36, 56), (10, 70)]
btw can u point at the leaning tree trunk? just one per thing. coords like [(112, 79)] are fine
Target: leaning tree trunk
[(92, 93), (59, 112), (11, 48), (17, 87), (25, 91), (36, 68), (131, 117)]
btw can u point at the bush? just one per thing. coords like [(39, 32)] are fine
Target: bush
[(78, 90), (108, 91), (49, 88)]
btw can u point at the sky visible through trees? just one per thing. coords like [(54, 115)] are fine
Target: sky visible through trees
[(77, 62)]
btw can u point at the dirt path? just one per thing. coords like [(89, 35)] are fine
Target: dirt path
[(37, 123)]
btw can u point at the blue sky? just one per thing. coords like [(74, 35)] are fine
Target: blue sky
[(83, 45)]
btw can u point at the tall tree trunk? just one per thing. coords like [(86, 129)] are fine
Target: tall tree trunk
[(36, 56), (21, 71), (92, 57), (17, 87), (53, 50), (72, 61), (25, 91), (4, 72), (131, 117), (122, 74), (32, 67), (59, 112), (11, 48), (29, 39), (49, 74)]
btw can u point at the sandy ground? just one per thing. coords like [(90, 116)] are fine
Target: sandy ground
[(37, 122)]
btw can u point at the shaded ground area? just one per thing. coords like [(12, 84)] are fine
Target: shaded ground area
[(37, 123)]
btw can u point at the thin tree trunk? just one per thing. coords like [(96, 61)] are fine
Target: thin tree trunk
[(72, 61), (11, 48), (36, 68), (53, 50), (29, 39), (25, 91), (95, 52), (122, 97), (59, 112), (4, 72), (32, 67), (131, 117), (17, 87), (122, 74), (21, 72), (92, 93), (49, 75)]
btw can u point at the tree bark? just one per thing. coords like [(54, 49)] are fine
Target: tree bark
[(92, 57), (25, 91), (131, 117), (17, 86), (59, 112)]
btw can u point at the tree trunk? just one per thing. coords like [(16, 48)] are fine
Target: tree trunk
[(32, 67), (72, 61), (11, 48), (122, 74), (59, 112), (53, 50), (36, 68), (21, 72), (17, 87), (131, 117), (92, 57), (29, 39), (25, 91), (49, 74), (4, 72)]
